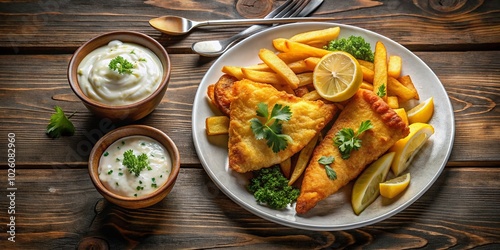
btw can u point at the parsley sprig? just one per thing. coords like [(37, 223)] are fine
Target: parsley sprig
[(346, 140), (271, 130), (60, 124), (135, 164), (121, 65), (327, 160), (381, 92)]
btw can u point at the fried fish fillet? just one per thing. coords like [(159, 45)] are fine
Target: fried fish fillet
[(246, 153), (388, 128)]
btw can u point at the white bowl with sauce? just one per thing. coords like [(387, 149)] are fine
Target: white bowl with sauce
[(125, 184), (131, 89)]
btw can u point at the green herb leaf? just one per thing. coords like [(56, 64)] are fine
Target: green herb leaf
[(346, 140), (135, 164), (272, 128), (381, 90), (60, 124), (121, 65), (332, 175)]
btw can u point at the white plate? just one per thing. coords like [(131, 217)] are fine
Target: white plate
[(334, 213)]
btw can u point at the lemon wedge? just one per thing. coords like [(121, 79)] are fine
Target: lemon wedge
[(395, 186), (366, 187), (402, 113), (337, 76), (409, 146), (422, 112)]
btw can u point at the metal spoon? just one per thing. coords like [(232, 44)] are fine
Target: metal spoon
[(175, 25)]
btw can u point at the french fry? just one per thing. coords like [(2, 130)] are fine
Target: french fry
[(368, 74), (366, 85), (311, 62), (317, 37), (396, 88), (306, 49), (280, 67), (305, 78), (217, 125), (233, 71), (394, 66), (262, 76), (292, 56), (380, 70), (297, 67), (303, 159), (279, 44), (259, 67), (393, 102), (286, 167), (366, 64), (406, 80), (312, 96)]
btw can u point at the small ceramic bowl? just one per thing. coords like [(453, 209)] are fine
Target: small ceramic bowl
[(128, 112), (131, 130)]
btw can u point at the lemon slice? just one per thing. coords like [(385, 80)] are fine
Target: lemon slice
[(409, 146), (422, 112), (366, 187), (337, 76), (395, 186)]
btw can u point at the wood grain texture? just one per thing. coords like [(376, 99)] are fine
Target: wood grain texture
[(57, 206), (62, 26), (52, 214), (28, 101)]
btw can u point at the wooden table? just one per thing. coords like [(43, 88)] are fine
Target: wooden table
[(56, 205)]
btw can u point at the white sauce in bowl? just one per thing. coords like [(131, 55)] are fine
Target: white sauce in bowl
[(102, 84), (118, 179)]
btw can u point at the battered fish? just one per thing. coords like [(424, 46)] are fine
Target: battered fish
[(246, 153), (388, 128)]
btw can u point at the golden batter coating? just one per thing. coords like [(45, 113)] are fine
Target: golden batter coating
[(247, 153), (388, 128)]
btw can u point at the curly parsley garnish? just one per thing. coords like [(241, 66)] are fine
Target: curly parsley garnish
[(272, 128), (354, 45), (332, 175), (135, 164), (60, 124), (121, 65), (270, 187), (346, 140)]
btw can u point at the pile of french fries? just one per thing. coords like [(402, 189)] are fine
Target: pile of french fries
[(291, 69)]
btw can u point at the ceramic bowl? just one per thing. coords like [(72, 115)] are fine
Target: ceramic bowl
[(141, 201), (128, 112)]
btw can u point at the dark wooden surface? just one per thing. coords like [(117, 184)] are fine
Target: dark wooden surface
[(58, 207)]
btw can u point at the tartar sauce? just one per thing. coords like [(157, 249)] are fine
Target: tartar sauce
[(118, 179), (100, 83)]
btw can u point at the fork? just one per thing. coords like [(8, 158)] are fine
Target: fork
[(290, 8)]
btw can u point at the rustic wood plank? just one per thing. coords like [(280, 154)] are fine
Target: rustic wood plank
[(458, 211), (62, 26), (28, 98)]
